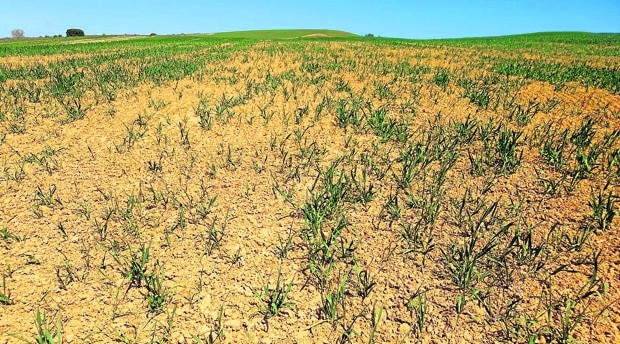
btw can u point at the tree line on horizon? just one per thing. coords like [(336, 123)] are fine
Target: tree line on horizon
[(19, 33)]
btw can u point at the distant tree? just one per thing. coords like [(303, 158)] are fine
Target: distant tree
[(17, 33), (369, 35), (75, 32)]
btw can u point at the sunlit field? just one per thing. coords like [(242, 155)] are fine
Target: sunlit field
[(316, 187)]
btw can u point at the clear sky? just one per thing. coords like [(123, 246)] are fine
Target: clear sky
[(389, 18)]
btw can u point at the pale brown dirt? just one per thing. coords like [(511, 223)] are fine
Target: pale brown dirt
[(91, 176)]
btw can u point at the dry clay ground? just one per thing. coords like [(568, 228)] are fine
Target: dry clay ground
[(216, 208)]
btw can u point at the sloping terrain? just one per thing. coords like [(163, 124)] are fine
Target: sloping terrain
[(285, 34), (196, 189)]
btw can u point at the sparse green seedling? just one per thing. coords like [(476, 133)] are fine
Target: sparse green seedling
[(46, 197), (9, 237), (333, 308), (418, 304), (376, 316), (156, 294), (215, 235), (603, 207), (134, 267), (273, 299), (203, 111), (45, 334), (5, 296), (364, 283), (284, 245), (184, 131), (509, 158), (441, 78), (216, 335)]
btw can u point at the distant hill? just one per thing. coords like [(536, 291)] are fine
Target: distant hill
[(285, 34), (562, 37)]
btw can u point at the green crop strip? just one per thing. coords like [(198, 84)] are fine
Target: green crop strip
[(559, 74)]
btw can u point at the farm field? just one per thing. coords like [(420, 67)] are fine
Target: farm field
[(310, 189)]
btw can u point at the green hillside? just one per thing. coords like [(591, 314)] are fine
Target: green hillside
[(285, 34), (540, 37), (556, 43)]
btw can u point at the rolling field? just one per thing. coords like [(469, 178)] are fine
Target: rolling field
[(285, 34), (310, 189)]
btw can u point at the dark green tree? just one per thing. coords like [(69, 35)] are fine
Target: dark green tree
[(75, 32)]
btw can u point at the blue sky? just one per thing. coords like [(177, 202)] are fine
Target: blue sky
[(407, 19)]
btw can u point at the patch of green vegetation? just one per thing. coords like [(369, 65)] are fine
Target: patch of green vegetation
[(559, 73), (168, 43), (575, 44), (143, 46), (579, 38)]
